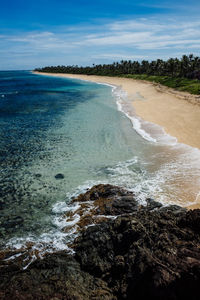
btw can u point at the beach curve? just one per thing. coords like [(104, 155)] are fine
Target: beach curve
[(178, 113), (155, 111)]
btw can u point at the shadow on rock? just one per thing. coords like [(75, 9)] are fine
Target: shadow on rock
[(144, 252)]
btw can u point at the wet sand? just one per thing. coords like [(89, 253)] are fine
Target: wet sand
[(177, 112)]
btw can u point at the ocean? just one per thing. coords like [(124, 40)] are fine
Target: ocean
[(61, 136)]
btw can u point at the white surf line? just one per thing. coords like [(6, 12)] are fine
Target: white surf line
[(134, 120)]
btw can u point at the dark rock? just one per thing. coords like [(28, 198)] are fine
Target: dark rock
[(110, 200), (143, 253), (59, 176), (104, 191), (58, 276), (192, 220), (38, 175), (152, 204), (156, 257)]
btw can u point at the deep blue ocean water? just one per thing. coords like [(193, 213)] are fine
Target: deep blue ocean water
[(51, 126)]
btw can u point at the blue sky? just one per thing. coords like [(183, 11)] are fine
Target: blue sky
[(49, 32)]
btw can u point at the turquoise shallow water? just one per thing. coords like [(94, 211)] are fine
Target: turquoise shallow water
[(53, 126)]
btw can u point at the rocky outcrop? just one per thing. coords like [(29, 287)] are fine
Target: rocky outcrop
[(132, 252)]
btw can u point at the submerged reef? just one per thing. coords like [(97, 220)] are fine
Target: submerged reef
[(129, 252)]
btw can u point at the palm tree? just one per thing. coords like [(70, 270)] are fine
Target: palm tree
[(187, 66)]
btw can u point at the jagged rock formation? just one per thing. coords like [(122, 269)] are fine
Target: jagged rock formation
[(145, 252)]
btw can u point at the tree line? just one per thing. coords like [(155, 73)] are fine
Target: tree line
[(187, 66)]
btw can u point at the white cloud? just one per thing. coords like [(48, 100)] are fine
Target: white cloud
[(119, 56), (130, 39), (124, 38), (37, 41), (147, 34), (135, 25)]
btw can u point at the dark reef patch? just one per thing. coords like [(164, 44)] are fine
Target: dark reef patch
[(133, 252), (59, 176)]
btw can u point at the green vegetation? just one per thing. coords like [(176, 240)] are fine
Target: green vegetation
[(182, 84), (182, 74)]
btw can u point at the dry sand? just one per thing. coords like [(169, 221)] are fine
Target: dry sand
[(177, 112)]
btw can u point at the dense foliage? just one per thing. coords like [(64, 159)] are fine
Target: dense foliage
[(186, 67), (182, 74), (179, 83)]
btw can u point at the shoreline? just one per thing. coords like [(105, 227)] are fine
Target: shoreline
[(176, 112), (175, 120), (124, 236)]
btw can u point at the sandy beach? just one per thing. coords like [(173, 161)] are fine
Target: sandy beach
[(177, 112)]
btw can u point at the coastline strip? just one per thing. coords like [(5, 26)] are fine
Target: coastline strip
[(177, 114)]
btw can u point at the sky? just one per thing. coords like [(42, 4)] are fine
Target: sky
[(38, 33)]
